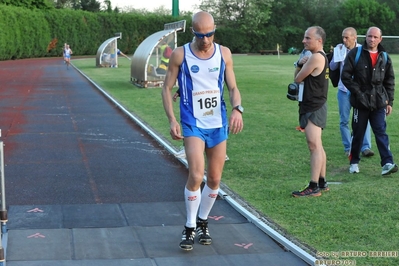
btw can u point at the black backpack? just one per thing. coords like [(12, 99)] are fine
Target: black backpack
[(334, 74)]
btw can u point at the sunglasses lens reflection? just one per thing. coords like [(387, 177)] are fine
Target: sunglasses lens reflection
[(203, 35)]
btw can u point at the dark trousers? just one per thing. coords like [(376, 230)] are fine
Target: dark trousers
[(378, 124)]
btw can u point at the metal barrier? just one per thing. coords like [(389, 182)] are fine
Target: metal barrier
[(3, 209)]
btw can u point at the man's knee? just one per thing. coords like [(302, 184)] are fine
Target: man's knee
[(314, 144), (213, 181)]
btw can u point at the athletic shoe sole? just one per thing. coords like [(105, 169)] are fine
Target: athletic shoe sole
[(205, 241), (186, 248), (318, 194)]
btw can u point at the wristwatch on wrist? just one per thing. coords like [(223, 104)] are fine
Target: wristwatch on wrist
[(239, 108)]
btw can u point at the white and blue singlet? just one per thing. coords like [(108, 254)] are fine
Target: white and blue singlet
[(201, 84)]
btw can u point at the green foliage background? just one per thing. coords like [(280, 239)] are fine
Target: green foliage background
[(33, 30), (18, 39), (247, 26)]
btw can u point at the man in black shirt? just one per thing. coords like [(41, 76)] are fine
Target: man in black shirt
[(312, 97)]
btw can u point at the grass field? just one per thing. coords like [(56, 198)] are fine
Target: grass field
[(270, 159)]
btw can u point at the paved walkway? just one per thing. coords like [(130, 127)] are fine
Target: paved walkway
[(86, 186)]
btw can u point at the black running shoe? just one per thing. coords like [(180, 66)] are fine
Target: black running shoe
[(187, 238), (203, 233), (307, 192)]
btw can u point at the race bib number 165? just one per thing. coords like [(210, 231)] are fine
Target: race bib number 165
[(206, 103)]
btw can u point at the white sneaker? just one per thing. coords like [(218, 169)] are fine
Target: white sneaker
[(389, 168), (181, 154), (354, 168)]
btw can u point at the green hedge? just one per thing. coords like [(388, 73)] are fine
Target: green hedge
[(24, 33), (39, 33)]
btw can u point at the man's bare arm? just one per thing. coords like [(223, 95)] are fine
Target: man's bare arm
[(314, 66), (235, 123), (175, 61)]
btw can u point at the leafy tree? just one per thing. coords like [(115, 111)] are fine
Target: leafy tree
[(362, 14), (75, 4), (31, 4), (288, 22), (246, 18), (60, 3), (87, 5), (162, 11), (394, 6), (90, 5), (328, 15), (108, 6), (247, 15)]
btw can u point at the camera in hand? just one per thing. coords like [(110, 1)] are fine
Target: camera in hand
[(293, 90)]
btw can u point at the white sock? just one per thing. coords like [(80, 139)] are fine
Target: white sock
[(192, 199), (208, 198)]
